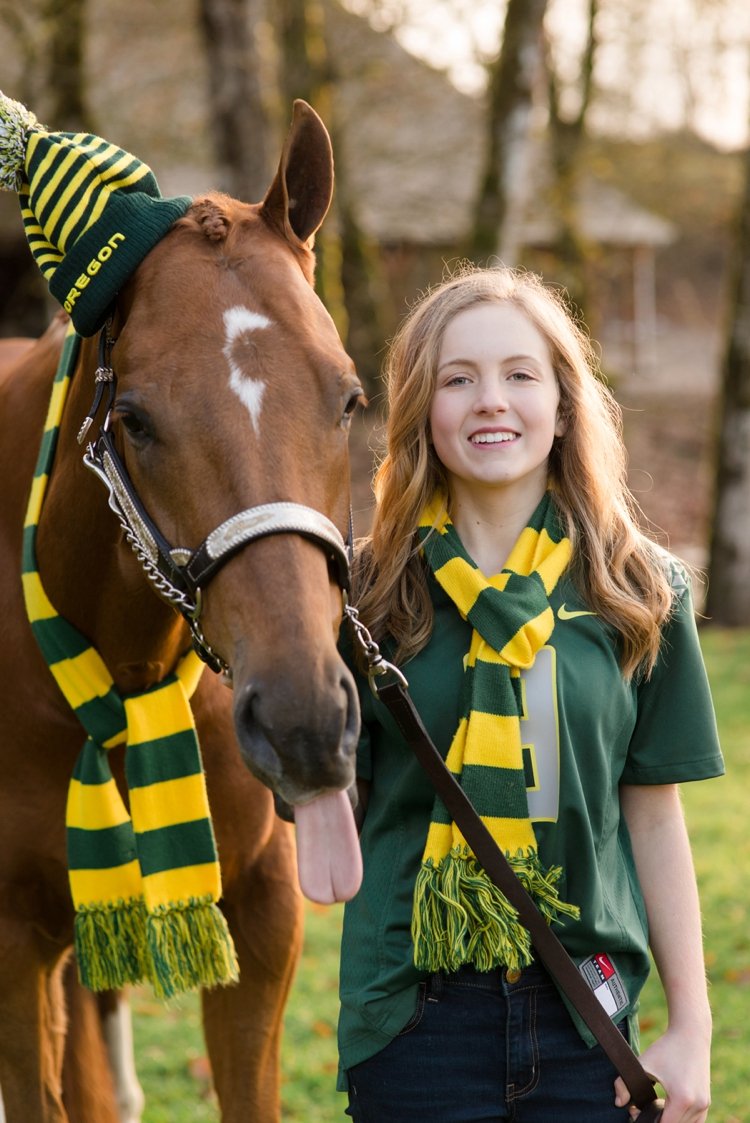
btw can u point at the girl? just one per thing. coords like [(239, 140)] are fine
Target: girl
[(551, 650)]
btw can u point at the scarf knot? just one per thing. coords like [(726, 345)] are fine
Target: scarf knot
[(459, 915), (145, 881)]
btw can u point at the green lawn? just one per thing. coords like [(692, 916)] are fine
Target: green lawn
[(717, 814), (170, 1052)]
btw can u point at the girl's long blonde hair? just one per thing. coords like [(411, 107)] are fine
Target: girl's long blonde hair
[(620, 573)]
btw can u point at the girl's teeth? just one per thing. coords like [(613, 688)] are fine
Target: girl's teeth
[(492, 438)]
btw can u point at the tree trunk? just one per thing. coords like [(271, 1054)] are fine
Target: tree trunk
[(66, 20), (48, 39), (567, 138), (239, 114), (348, 273), (302, 47), (728, 601), (21, 34), (505, 178), (362, 284), (303, 72)]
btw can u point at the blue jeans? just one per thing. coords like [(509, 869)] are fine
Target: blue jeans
[(482, 1049)]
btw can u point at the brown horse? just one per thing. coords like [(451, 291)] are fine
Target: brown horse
[(233, 391)]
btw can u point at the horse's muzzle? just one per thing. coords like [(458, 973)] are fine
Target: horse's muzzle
[(298, 742)]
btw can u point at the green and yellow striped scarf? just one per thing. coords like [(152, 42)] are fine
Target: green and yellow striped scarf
[(460, 916), (145, 882)]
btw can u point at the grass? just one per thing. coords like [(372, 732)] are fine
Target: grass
[(717, 819), (170, 1052)]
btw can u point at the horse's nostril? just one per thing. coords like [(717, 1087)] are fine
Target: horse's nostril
[(352, 722), (254, 739)]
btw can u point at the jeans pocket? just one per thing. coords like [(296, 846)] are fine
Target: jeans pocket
[(416, 1017)]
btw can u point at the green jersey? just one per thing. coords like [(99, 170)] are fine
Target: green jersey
[(585, 731)]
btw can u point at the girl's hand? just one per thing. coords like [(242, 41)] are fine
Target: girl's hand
[(680, 1062)]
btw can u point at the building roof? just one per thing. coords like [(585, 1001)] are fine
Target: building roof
[(606, 216)]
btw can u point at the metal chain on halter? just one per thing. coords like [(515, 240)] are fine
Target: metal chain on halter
[(189, 607), (377, 665), (162, 584)]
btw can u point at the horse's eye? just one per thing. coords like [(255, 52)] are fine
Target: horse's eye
[(353, 401), (135, 425)]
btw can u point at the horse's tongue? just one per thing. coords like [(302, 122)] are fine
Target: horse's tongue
[(329, 860)]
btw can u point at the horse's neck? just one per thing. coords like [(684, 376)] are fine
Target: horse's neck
[(89, 573)]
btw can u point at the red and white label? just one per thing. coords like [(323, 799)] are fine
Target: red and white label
[(601, 975)]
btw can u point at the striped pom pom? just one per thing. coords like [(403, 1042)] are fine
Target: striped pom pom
[(16, 121)]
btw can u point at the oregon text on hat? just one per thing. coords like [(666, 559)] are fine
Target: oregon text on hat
[(92, 269)]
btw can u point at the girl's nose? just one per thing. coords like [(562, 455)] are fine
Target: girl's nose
[(491, 397)]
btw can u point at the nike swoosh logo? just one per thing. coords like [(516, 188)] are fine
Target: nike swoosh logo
[(564, 613)]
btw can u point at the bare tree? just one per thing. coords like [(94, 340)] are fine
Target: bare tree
[(48, 39), (362, 283), (348, 276), (299, 27), (239, 113), (728, 600), (66, 20), (20, 30), (567, 134), (512, 80)]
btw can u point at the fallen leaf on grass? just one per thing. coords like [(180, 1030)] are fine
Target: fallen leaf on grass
[(739, 976), (200, 1069)]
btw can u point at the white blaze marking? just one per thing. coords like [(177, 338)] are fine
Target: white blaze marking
[(237, 321)]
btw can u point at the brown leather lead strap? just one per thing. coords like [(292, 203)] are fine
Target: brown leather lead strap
[(546, 944)]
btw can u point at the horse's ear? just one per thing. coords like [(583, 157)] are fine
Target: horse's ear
[(300, 195)]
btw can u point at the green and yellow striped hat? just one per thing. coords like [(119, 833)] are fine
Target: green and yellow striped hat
[(91, 211)]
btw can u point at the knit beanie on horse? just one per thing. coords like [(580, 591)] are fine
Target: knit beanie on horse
[(90, 210)]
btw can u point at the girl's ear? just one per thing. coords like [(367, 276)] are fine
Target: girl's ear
[(563, 415)]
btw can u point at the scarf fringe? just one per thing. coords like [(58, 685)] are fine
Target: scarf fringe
[(460, 916), (110, 944), (176, 948), (190, 946)]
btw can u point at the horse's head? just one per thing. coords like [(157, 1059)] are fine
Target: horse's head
[(233, 391)]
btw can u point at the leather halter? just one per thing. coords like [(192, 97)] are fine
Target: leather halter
[(178, 574)]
